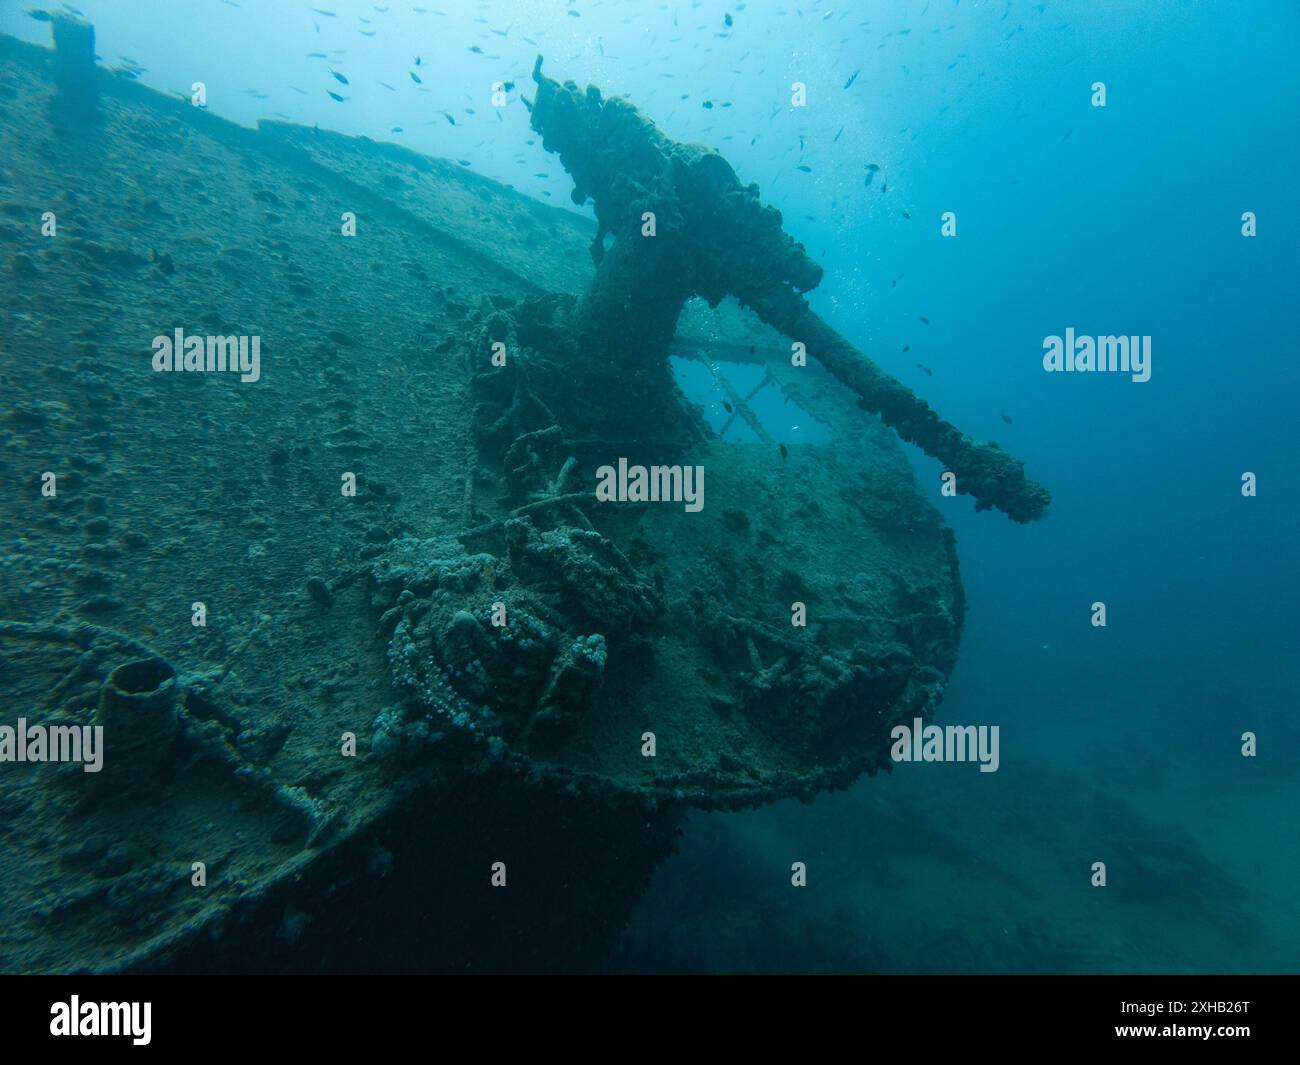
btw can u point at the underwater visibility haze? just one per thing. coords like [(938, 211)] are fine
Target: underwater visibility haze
[(649, 486)]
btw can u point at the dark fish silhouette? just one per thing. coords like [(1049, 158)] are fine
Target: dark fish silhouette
[(784, 453), (335, 96), (417, 60), (40, 16), (907, 216), (1006, 418), (925, 370), (339, 77), (907, 347), (415, 77), (726, 406), (924, 320), (726, 19), (852, 79), (805, 169)]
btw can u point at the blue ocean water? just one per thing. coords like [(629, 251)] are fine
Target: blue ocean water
[(1120, 744)]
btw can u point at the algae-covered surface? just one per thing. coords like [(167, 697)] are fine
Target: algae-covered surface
[(346, 671)]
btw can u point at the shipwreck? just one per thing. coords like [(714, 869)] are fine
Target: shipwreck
[(453, 717)]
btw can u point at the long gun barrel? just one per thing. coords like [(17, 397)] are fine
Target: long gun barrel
[(713, 237)]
